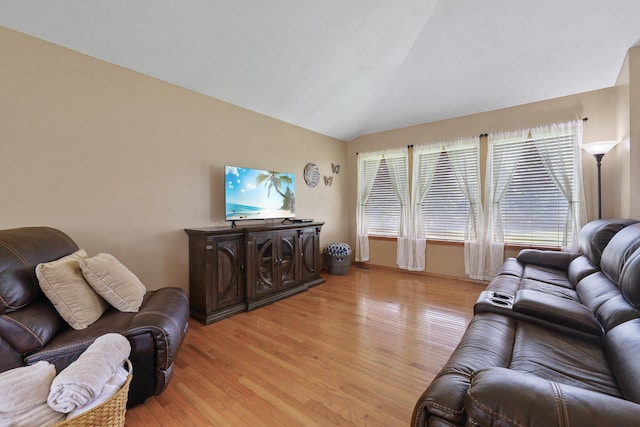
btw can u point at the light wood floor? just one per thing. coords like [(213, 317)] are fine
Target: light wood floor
[(357, 350)]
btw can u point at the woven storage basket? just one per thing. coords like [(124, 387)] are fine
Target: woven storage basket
[(110, 413), (338, 258)]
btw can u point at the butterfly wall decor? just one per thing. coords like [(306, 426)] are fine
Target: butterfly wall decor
[(328, 180), (335, 168)]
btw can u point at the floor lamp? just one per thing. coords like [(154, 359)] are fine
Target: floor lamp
[(598, 150)]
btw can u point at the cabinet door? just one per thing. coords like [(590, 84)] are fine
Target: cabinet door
[(285, 262), (228, 270), (264, 255), (310, 255)]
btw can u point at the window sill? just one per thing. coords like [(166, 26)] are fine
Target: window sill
[(457, 243)]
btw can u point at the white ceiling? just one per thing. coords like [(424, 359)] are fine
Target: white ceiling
[(345, 68)]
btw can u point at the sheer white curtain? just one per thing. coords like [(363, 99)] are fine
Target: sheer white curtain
[(425, 161), (368, 164), (396, 161), (466, 170), (398, 164), (500, 170), (566, 173)]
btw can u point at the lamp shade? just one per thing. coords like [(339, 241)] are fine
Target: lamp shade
[(600, 147)]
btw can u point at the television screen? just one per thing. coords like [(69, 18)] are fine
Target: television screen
[(258, 194)]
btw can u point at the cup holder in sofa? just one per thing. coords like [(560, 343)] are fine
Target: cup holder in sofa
[(494, 299), (500, 299), (499, 302)]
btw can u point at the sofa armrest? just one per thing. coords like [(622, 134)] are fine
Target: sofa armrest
[(503, 397), (487, 342), (164, 314), (553, 259)]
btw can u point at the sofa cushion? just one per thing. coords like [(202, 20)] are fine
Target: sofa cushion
[(562, 358), (596, 235), (619, 249), (32, 327), (503, 397), (21, 249), (63, 283), (630, 279), (549, 288), (113, 281)]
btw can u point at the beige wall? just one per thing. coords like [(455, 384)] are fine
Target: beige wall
[(123, 162), (600, 107), (634, 131)]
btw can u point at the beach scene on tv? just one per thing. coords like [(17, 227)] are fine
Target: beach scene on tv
[(258, 194)]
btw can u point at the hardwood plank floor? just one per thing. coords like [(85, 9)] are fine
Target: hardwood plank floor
[(358, 349)]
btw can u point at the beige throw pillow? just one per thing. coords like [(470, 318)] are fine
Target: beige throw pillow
[(63, 283), (113, 282)]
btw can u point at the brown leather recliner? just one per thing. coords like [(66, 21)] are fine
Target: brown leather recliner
[(32, 330)]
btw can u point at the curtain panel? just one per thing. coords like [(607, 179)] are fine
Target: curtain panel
[(564, 171), (466, 170), (499, 173), (566, 175), (367, 169), (463, 165)]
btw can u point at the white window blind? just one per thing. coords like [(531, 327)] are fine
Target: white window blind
[(383, 205), (534, 211), (445, 207)]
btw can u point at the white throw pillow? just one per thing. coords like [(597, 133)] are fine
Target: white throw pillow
[(113, 281), (63, 283)]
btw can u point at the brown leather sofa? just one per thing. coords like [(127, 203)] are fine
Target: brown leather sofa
[(554, 341), (31, 329)]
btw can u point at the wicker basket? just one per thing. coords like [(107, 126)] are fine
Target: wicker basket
[(110, 413)]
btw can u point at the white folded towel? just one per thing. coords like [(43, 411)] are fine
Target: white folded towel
[(24, 387), (23, 396), (111, 388), (40, 415), (82, 381)]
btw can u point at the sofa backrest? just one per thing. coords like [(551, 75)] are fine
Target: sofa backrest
[(21, 250), (617, 252), (596, 235), (613, 293)]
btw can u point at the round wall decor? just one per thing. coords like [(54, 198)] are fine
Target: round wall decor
[(311, 174)]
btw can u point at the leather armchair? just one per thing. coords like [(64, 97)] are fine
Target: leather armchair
[(31, 329)]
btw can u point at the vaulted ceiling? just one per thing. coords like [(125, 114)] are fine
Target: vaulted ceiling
[(345, 68)]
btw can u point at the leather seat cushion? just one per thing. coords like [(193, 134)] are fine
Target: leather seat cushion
[(562, 358), (550, 289), (546, 274)]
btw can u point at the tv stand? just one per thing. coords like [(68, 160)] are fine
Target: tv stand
[(232, 270)]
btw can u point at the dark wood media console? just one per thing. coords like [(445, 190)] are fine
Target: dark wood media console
[(238, 269)]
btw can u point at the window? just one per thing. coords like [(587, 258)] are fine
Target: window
[(383, 205), (382, 197), (445, 207), (534, 210)]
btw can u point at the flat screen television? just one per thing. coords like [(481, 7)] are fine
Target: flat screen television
[(258, 194)]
